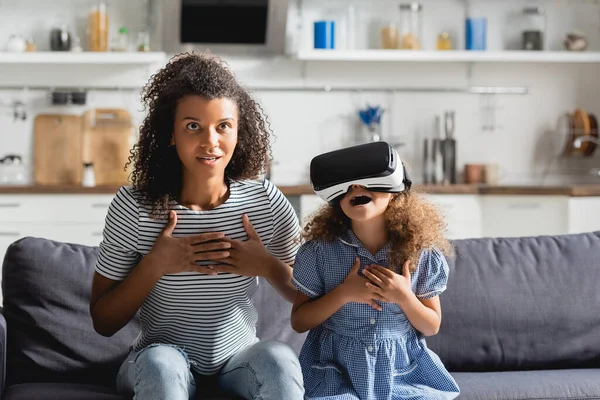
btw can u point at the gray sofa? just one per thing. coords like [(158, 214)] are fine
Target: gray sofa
[(521, 320)]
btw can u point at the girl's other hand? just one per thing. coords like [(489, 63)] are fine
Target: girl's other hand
[(392, 287), (355, 288)]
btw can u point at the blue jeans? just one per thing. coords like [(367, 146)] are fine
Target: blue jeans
[(267, 370)]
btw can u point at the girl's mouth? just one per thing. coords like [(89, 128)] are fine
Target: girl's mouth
[(360, 200)]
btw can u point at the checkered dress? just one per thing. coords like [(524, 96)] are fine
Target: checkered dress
[(362, 353)]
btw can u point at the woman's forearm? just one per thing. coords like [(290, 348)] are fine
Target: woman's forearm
[(313, 313), (115, 308), (423, 318), (280, 277)]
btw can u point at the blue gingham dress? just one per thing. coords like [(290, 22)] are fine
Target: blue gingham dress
[(362, 353)]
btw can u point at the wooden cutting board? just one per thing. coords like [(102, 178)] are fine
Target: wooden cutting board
[(106, 144), (57, 146)]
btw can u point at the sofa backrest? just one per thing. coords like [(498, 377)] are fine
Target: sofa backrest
[(46, 290), (522, 303)]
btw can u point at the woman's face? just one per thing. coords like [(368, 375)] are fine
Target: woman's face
[(205, 134), (361, 205)]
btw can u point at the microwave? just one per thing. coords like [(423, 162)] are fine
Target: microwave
[(222, 26)]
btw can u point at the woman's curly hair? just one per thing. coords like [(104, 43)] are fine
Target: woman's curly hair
[(157, 170), (414, 224)]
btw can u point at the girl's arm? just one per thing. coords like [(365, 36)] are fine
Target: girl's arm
[(308, 313), (424, 315)]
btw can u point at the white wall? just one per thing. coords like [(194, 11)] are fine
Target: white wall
[(307, 123)]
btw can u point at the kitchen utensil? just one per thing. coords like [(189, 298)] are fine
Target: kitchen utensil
[(106, 144), (437, 157), (426, 162), (449, 148), (564, 136), (581, 128), (593, 133), (57, 149)]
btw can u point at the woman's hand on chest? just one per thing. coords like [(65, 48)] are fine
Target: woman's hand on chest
[(172, 255), (246, 258)]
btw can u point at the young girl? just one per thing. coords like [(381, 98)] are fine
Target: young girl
[(369, 276), (186, 242)]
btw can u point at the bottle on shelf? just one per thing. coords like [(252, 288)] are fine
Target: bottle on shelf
[(98, 25)]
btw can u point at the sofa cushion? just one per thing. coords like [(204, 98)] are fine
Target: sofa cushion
[(274, 317), (524, 385), (46, 289), (522, 303)]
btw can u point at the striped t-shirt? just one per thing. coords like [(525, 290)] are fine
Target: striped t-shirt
[(210, 317)]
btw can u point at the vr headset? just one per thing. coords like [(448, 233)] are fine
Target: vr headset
[(376, 166)]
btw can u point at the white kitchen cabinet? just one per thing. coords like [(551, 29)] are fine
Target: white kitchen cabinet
[(56, 208), (584, 214), (524, 215), (462, 213)]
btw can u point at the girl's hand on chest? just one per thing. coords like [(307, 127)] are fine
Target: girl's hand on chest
[(392, 287)]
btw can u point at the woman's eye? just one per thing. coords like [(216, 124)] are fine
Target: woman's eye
[(224, 125), (193, 126)]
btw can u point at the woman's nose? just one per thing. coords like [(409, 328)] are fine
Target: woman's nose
[(210, 139)]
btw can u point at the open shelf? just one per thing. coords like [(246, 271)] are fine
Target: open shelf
[(450, 56), (92, 58)]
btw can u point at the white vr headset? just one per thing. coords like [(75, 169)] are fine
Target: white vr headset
[(376, 166)]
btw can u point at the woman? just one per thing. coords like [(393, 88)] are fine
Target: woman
[(186, 242)]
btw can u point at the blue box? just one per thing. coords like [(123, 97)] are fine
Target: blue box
[(476, 34), (324, 35)]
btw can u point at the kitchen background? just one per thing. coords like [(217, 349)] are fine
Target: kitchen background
[(522, 132)]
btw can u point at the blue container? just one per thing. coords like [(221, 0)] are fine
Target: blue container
[(324, 35), (475, 34)]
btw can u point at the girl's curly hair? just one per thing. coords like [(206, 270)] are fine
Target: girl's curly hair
[(414, 224), (157, 170)]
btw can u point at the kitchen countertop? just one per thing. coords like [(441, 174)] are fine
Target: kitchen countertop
[(581, 190)]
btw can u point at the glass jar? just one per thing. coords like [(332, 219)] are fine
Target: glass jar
[(444, 42), (389, 36), (533, 28), (411, 15)]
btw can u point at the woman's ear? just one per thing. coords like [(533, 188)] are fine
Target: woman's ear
[(172, 142)]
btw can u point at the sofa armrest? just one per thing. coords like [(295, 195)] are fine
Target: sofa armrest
[(2, 352)]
